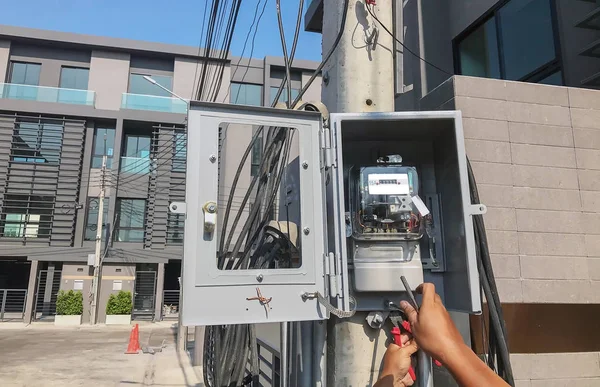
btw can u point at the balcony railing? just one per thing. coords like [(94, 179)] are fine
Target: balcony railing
[(47, 94), (151, 102)]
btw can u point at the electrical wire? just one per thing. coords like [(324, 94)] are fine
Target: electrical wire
[(403, 45), (262, 12), (498, 353)]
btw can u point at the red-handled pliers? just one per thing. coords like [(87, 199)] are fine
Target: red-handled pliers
[(396, 333)]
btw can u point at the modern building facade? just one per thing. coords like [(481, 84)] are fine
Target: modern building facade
[(524, 73), (66, 102)]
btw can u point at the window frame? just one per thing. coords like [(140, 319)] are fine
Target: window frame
[(74, 68), (244, 84), (109, 158), (534, 76), (142, 74), (42, 153), (32, 206), (87, 217), (11, 70), (119, 227)]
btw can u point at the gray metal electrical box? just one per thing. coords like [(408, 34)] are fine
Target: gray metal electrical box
[(402, 157), (313, 209)]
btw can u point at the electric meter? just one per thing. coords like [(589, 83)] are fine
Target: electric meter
[(387, 224)]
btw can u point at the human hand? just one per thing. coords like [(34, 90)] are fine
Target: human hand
[(396, 363), (432, 327)]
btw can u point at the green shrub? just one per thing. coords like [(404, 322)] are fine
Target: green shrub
[(119, 303), (69, 303)]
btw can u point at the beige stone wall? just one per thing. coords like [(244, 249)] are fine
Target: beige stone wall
[(535, 151)]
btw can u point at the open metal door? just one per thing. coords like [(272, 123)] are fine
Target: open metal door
[(218, 137)]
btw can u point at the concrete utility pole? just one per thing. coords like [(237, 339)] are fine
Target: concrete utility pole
[(97, 258), (358, 78)]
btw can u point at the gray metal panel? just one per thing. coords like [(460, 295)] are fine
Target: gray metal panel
[(202, 280), (460, 282)]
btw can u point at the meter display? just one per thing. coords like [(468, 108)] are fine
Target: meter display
[(381, 203)]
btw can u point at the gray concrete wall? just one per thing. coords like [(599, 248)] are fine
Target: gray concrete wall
[(111, 275), (535, 151), (4, 59), (72, 273), (109, 77), (188, 72), (314, 91)]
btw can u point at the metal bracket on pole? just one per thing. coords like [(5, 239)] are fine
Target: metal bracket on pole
[(477, 209), (177, 207)]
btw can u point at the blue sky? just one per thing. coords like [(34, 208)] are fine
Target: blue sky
[(174, 21)]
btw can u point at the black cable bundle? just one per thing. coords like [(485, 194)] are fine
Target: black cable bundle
[(229, 349), (498, 354)]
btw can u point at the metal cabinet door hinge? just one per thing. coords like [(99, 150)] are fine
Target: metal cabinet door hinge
[(327, 151)]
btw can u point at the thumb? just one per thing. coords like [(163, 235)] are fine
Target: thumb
[(410, 312)]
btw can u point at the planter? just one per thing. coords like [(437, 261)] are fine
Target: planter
[(118, 319), (67, 320)]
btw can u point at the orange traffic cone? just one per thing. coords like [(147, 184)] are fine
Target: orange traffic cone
[(134, 341)]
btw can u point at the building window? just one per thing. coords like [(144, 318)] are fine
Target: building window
[(25, 216), (131, 215), (246, 94), (517, 42), (283, 96), (91, 222), (175, 228), (25, 73), (479, 52), (104, 143), (136, 154), (179, 152), (74, 78), (256, 156), (35, 142), (138, 85)]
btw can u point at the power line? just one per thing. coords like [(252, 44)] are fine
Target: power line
[(404, 46)]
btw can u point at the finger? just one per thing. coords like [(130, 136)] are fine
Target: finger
[(428, 291), (393, 347), (407, 380), (405, 338), (410, 348), (438, 299), (410, 312)]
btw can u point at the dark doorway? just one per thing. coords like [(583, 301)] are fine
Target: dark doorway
[(171, 292), (14, 278)]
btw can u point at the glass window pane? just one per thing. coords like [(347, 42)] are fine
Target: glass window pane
[(245, 94), (527, 36), (138, 85), (91, 224), (553, 79), (25, 73), (283, 97), (74, 78), (479, 52)]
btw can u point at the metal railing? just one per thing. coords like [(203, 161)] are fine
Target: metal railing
[(12, 304), (47, 94), (170, 308), (152, 102), (269, 364)]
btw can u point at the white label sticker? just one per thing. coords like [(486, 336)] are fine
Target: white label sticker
[(117, 285), (388, 184), (423, 210), (78, 285)]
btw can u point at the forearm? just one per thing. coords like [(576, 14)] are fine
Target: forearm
[(469, 371)]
